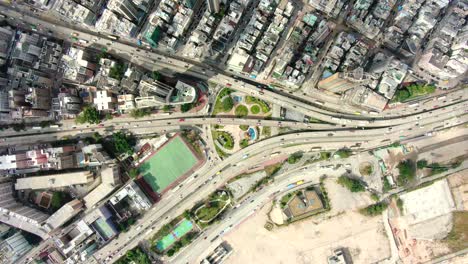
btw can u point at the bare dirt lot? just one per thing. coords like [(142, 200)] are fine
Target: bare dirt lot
[(309, 241)]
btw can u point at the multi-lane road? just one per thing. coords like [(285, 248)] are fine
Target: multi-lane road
[(208, 181), (342, 130), (150, 60)]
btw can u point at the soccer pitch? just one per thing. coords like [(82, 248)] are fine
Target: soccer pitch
[(169, 163)]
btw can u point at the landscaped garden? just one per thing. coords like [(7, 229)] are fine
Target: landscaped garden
[(212, 207), (255, 101)]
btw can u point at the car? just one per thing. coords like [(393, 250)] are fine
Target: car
[(228, 84), (101, 125), (182, 120)]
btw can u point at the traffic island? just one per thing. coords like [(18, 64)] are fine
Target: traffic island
[(211, 209)]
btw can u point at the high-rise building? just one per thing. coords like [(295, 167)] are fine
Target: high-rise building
[(126, 8), (213, 6), (342, 81), (18, 215), (13, 248)]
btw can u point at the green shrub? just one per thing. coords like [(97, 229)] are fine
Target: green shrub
[(421, 164), (228, 104), (407, 172), (255, 109), (241, 111), (294, 158), (374, 209), (89, 115), (343, 153), (244, 127)]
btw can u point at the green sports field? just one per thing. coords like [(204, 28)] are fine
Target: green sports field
[(170, 162)]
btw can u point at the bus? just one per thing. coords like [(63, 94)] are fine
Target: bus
[(113, 37), (275, 154), (413, 105)]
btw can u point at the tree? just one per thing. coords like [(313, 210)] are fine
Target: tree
[(244, 143), (166, 108), (44, 124), (186, 107), (117, 71), (89, 115), (138, 113), (351, 184), (343, 153), (374, 209), (228, 104), (156, 75), (122, 143), (133, 173), (241, 111), (109, 116), (407, 171), (401, 95), (421, 164), (294, 158)]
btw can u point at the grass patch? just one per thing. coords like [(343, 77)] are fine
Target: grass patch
[(413, 91), (273, 169), (270, 172), (241, 111), (323, 156), (285, 199), (220, 152), (255, 109), (263, 105), (366, 170), (399, 203), (209, 210), (219, 106), (266, 131), (244, 143), (343, 153), (457, 238), (386, 185), (224, 138)]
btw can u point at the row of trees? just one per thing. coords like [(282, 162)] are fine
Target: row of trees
[(412, 91)]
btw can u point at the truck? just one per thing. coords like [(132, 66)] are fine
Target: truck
[(300, 182), (441, 98), (413, 105), (82, 41), (291, 185), (112, 37)]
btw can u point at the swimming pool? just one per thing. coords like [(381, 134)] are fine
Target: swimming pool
[(252, 133)]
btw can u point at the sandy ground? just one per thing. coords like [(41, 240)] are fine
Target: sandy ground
[(342, 199), (458, 183), (309, 241)]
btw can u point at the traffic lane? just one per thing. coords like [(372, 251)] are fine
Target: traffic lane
[(207, 192), (127, 47)]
